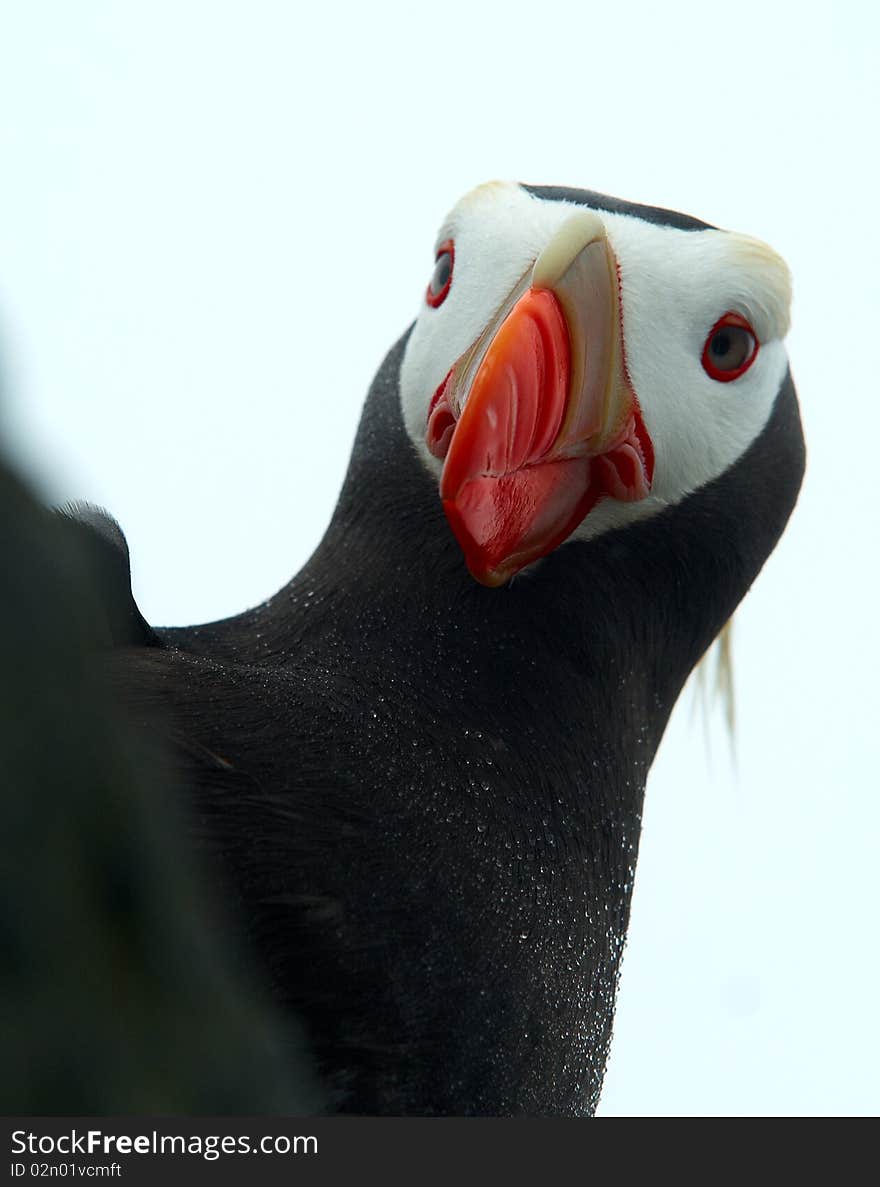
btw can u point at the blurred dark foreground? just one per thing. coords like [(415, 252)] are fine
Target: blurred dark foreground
[(117, 991)]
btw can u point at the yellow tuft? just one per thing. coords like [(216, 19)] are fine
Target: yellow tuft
[(719, 686)]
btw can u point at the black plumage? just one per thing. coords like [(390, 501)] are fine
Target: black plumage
[(420, 799), (120, 993), (426, 795)]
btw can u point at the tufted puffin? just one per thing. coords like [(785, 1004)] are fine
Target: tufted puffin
[(414, 776)]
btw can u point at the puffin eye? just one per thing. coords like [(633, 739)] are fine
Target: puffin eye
[(442, 278), (730, 349)]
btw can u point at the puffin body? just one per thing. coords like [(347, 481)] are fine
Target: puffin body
[(415, 774)]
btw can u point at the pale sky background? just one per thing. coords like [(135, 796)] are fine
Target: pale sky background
[(214, 220)]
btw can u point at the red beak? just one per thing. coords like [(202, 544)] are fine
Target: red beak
[(550, 424)]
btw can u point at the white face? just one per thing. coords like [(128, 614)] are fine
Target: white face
[(675, 285)]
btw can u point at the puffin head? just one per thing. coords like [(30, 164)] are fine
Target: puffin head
[(579, 362)]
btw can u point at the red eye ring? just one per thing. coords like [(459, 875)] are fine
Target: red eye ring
[(435, 298), (743, 350)]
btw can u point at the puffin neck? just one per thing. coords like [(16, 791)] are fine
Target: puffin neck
[(663, 586), (647, 599)]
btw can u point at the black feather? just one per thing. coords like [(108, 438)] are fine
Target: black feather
[(122, 988), (425, 796), (101, 539), (419, 800)]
